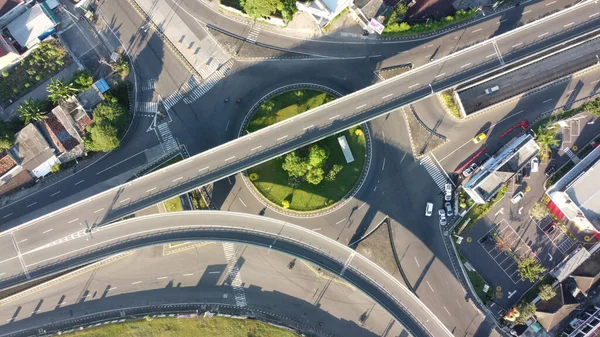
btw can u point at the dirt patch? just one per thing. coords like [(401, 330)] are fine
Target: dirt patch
[(242, 49), (378, 249), (435, 9), (422, 139), (389, 72)]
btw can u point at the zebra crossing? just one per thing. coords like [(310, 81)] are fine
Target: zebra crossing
[(166, 138), (150, 107), (175, 97), (234, 275), (565, 245), (213, 63), (434, 171), (148, 84), (253, 33), (210, 82), (571, 155)]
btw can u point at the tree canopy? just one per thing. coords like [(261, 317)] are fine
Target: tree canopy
[(526, 310), (547, 292), (110, 119), (58, 91), (309, 167), (531, 269), (260, 8), (31, 111), (546, 138)]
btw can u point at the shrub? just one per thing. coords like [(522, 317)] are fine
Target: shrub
[(285, 204), (359, 132), (526, 311), (4, 73), (449, 102), (253, 176), (55, 168), (531, 269), (547, 292)]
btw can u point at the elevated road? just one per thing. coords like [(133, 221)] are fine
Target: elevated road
[(81, 248)]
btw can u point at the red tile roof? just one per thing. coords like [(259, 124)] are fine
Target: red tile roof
[(6, 163), (61, 138)]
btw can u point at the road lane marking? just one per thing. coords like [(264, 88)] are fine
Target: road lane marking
[(55, 193), (501, 21), (48, 231), (527, 12), (477, 30), (242, 201), (317, 229), (17, 242), (490, 55), (440, 75), (542, 35), (447, 311), (98, 210), (230, 158), (466, 65), (518, 44), (550, 3), (414, 85), (383, 166), (112, 288), (339, 222), (204, 168), (7, 215), (548, 100), (150, 190), (418, 265), (568, 24), (430, 286), (458, 304), (361, 206), (334, 117), (255, 148), (429, 45), (124, 200), (176, 179), (308, 127), (386, 96), (33, 203), (227, 126), (282, 137), (73, 220), (136, 282), (595, 14), (188, 274), (596, 81), (161, 278), (79, 182), (362, 106)]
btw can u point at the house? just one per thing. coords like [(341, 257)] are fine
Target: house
[(8, 53), (11, 9), (32, 152), (586, 276), (73, 107), (12, 176), (61, 130), (551, 312), (31, 27), (586, 324), (323, 11)]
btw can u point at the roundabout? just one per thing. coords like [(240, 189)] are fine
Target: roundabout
[(317, 178)]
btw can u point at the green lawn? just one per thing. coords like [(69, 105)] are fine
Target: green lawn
[(189, 327), (273, 181), (173, 205)]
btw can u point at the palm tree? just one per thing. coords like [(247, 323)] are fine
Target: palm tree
[(30, 111), (546, 138), (59, 91)]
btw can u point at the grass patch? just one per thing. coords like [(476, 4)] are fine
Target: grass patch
[(173, 327), (451, 105), (169, 162), (173, 205), (478, 282), (197, 200), (402, 28), (45, 61), (479, 210), (274, 183)]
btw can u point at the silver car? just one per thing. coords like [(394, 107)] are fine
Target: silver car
[(443, 220), (448, 207)]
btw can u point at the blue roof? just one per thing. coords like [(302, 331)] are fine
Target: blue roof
[(102, 85)]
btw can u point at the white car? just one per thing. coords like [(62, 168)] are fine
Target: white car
[(469, 170), (535, 164), (443, 220), (429, 209), (448, 207), (448, 192), (517, 197)]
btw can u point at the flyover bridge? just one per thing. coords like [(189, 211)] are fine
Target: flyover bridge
[(82, 247)]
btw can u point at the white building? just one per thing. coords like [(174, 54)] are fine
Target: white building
[(323, 10)]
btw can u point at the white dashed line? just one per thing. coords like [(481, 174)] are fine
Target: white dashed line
[(79, 182), (48, 231), (99, 210), (255, 148), (204, 168), (339, 222), (334, 117), (386, 96), (569, 24), (542, 35), (548, 100), (7, 215), (447, 311), (150, 190), (17, 242), (136, 282), (176, 179), (518, 44), (383, 166), (73, 220), (360, 107), (414, 85), (243, 203), (282, 137), (490, 55), (317, 229), (466, 65), (595, 14), (417, 262), (440, 75), (55, 193), (161, 278), (550, 3), (124, 200), (430, 286), (361, 206), (477, 30), (526, 12), (308, 127), (230, 158), (31, 204), (188, 274)]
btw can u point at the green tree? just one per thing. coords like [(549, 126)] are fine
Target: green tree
[(7, 136), (260, 8), (122, 66), (531, 269), (332, 174), (83, 80), (546, 292), (526, 311), (55, 168), (546, 138), (315, 176), (111, 113), (30, 111), (539, 211), (317, 156), (593, 107), (102, 138), (58, 91), (295, 165), (288, 9)]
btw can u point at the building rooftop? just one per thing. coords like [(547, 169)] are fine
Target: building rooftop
[(29, 26), (6, 163), (60, 130), (31, 149), (7, 5), (550, 313), (585, 191), (568, 265), (588, 273)]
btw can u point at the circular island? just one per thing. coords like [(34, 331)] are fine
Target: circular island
[(314, 177)]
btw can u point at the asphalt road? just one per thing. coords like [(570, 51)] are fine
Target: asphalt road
[(80, 247), (301, 297)]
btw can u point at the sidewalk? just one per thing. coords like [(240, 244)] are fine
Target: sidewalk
[(202, 52), (38, 93)]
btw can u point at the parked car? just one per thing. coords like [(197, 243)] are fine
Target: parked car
[(429, 209), (535, 164), (479, 138), (448, 192), (469, 170), (443, 220), (551, 170), (448, 207), (550, 228), (517, 197)]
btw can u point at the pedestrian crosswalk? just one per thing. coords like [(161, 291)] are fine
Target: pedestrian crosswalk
[(148, 84), (565, 245), (213, 63), (235, 276), (175, 97), (150, 107), (253, 33), (434, 171), (571, 155), (166, 138), (210, 82)]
